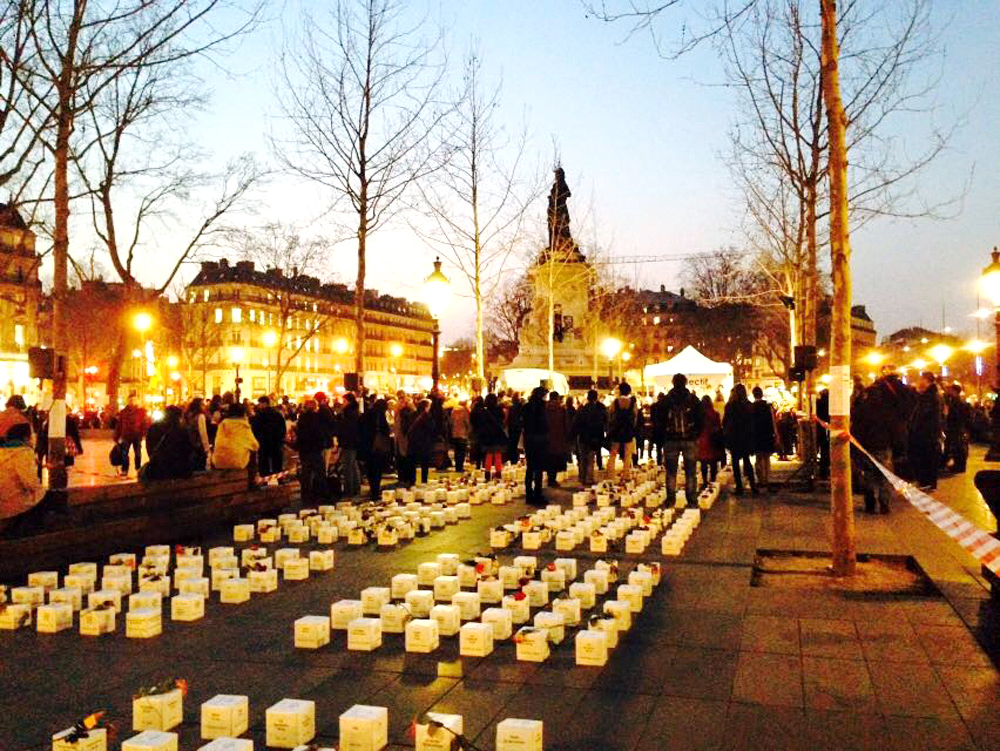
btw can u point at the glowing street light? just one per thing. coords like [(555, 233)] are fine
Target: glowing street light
[(919, 364), (142, 322), (396, 350), (941, 353), (172, 362), (437, 293), (340, 345), (610, 347), (874, 358), (976, 346)]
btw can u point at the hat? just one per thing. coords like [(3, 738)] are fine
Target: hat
[(320, 397)]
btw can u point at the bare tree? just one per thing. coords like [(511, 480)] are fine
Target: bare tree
[(476, 204), (507, 314), (77, 50), (361, 99)]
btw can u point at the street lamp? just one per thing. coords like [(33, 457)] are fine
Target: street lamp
[(989, 285), (270, 338), (437, 292), (143, 322), (395, 352), (941, 353), (874, 358), (610, 347), (236, 356)]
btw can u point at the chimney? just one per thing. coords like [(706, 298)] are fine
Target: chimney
[(682, 292), (244, 267), (663, 289), (223, 263)]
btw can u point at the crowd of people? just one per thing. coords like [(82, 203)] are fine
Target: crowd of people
[(331, 443)]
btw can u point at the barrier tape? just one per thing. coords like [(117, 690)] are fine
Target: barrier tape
[(983, 546)]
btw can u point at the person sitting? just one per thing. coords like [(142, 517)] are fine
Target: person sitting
[(20, 488), (169, 446), (234, 442)]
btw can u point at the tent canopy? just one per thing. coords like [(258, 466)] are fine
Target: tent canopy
[(526, 379), (704, 375)]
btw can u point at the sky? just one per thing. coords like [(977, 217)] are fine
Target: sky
[(642, 141)]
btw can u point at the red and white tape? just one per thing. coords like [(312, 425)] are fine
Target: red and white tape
[(983, 546)]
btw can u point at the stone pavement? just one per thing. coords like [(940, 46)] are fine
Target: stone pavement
[(713, 663)]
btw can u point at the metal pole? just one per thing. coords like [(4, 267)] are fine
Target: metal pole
[(237, 399), (993, 455), (435, 367)]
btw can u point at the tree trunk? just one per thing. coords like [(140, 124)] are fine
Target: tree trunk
[(359, 291), (841, 499)]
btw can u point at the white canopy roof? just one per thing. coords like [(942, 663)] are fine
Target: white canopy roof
[(704, 375)]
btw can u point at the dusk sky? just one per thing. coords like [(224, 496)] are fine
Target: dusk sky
[(642, 140)]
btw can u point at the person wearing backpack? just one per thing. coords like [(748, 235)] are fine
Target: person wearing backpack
[(622, 426), (683, 418), (589, 426)]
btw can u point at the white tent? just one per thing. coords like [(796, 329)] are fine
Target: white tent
[(526, 379), (704, 375)]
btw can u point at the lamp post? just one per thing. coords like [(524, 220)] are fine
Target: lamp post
[(437, 291), (941, 353), (236, 355), (143, 322), (989, 283), (610, 347), (395, 352), (270, 339)]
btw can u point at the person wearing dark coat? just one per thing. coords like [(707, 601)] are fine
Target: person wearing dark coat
[(822, 434), (957, 428), (683, 426), (514, 427), (589, 426), (558, 437), (420, 439), (491, 436), (536, 431), (658, 424), (311, 437), (765, 432), (376, 445), (711, 445), (169, 447), (348, 440), (269, 429), (737, 427), (925, 433)]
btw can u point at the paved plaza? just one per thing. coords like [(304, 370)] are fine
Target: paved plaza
[(711, 662)]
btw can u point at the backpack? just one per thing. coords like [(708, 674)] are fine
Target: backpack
[(680, 420)]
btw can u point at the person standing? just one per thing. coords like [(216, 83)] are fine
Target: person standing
[(925, 433), (310, 441), (269, 430), (514, 427), (957, 427), (460, 433), (737, 427), (197, 425), (764, 438), (622, 425), (420, 439), (491, 437), (558, 438), (589, 427), (683, 426), (130, 430), (375, 445), (711, 446), (658, 424), (402, 420), (536, 428), (348, 439)]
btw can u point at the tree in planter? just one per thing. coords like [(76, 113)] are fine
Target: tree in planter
[(361, 96)]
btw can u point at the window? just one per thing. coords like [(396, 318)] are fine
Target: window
[(218, 315), (19, 334), (206, 295), (237, 315), (656, 320), (253, 315)]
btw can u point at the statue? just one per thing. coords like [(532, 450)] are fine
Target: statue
[(560, 237)]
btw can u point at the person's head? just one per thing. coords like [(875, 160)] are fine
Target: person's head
[(624, 389), (706, 402), (740, 392), (173, 415), (554, 396), (16, 402), (592, 396), (20, 432), (264, 401), (350, 400), (538, 393), (758, 393), (955, 389), (379, 407), (491, 401), (925, 381), (680, 381), (133, 398), (423, 406), (888, 369), (236, 409), (196, 406), (320, 398), (310, 405)]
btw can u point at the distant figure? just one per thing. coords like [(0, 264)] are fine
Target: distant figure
[(558, 438), (765, 430), (683, 424), (925, 433), (491, 436), (376, 445), (460, 428), (310, 441), (957, 428), (623, 420), (169, 446), (133, 423), (269, 430), (536, 429), (737, 427), (711, 445), (589, 425)]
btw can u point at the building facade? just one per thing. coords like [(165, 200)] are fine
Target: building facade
[(294, 335), (20, 296)]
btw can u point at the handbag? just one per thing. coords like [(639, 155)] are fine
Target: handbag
[(116, 456)]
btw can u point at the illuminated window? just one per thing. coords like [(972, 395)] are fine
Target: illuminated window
[(19, 334), (218, 315), (237, 315), (656, 320), (206, 295), (253, 315)]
